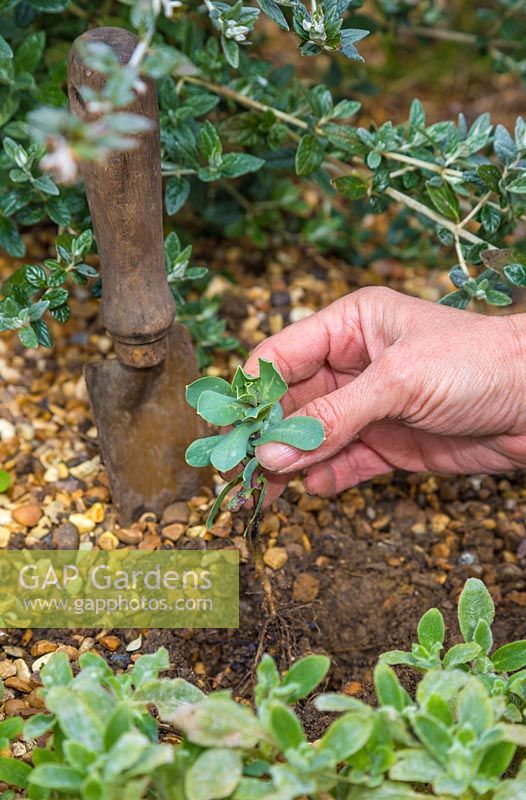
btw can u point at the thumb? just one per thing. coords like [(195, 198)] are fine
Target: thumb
[(343, 413)]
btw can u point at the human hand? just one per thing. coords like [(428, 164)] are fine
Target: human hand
[(399, 382)]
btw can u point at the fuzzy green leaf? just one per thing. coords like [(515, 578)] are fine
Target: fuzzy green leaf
[(199, 452), (347, 735), (431, 628), (215, 774), (306, 674), (510, 657), (475, 603), (208, 383)]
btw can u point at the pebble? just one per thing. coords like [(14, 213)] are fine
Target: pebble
[(43, 647), (5, 516), (82, 523), (108, 541), (7, 669), (176, 512), (173, 532), (96, 513), (7, 430), (275, 557), (439, 522), (519, 598), (130, 536), (306, 588), (65, 537), (110, 643), (19, 684), (14, 707), (28, 515), (5, 535)]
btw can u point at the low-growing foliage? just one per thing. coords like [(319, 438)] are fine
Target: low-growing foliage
[(251, 406), (453, 739)]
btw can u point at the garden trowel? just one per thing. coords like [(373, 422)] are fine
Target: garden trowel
[(137, 398)]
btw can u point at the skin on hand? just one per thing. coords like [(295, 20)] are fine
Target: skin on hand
[(399, 382)]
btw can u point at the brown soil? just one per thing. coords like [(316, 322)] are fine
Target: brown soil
[(360, 569)]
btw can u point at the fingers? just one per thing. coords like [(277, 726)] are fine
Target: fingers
[(343, 414), (352, 465), (300, 350)]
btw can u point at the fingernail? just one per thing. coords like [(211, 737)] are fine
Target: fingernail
[(276, 457)]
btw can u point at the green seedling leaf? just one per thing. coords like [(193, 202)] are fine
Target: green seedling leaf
[(346, 736), (167, 695), (475, 603), (388, 689), (284, 726), (483, 636), (510, 657), (415, 766), (272, 386), (305, 675), (461, 654), (14, 772), (57, 777), (474, 707), (218, 721), (5, 480), (431, 629), (305, 433), (215, 774)]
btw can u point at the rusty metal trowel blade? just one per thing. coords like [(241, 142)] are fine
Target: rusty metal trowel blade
[(144, 426)]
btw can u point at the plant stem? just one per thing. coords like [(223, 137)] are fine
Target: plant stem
[(342, 168), (459, 37), (474, 211), (252, 534)]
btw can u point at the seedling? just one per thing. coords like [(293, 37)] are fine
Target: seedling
[(251, 406), (452, 740)]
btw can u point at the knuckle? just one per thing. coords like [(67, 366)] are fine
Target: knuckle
[(325, 410)]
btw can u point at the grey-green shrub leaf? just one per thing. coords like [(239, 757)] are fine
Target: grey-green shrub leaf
[(305, 433), (214, 774), (309, 154), (475, 603), (510, 657), (516, 274), (273, 387), (431, 628), (199, 452)]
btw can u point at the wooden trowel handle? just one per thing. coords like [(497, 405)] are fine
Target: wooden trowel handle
[(125, 199)]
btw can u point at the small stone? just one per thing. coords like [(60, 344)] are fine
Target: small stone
[(197, 532), (280, 298), (28, 515), (101, 493), (352, 688), (309, 503), (176, 512), (108, 541), (519, 598), (96, 513), (5, 516), (173, 532), (86, 469), (22, 670), (305, 588), (270, 523), (439, 522), (65, 537), (71, 652), (7, 669), (418, 528), (14, 707), (82, 523), (7, 430), (382, 523), (275, 557), (5, 535), (43, 647), (19, 684), (130, 536), (110, 643), (134, 645)]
